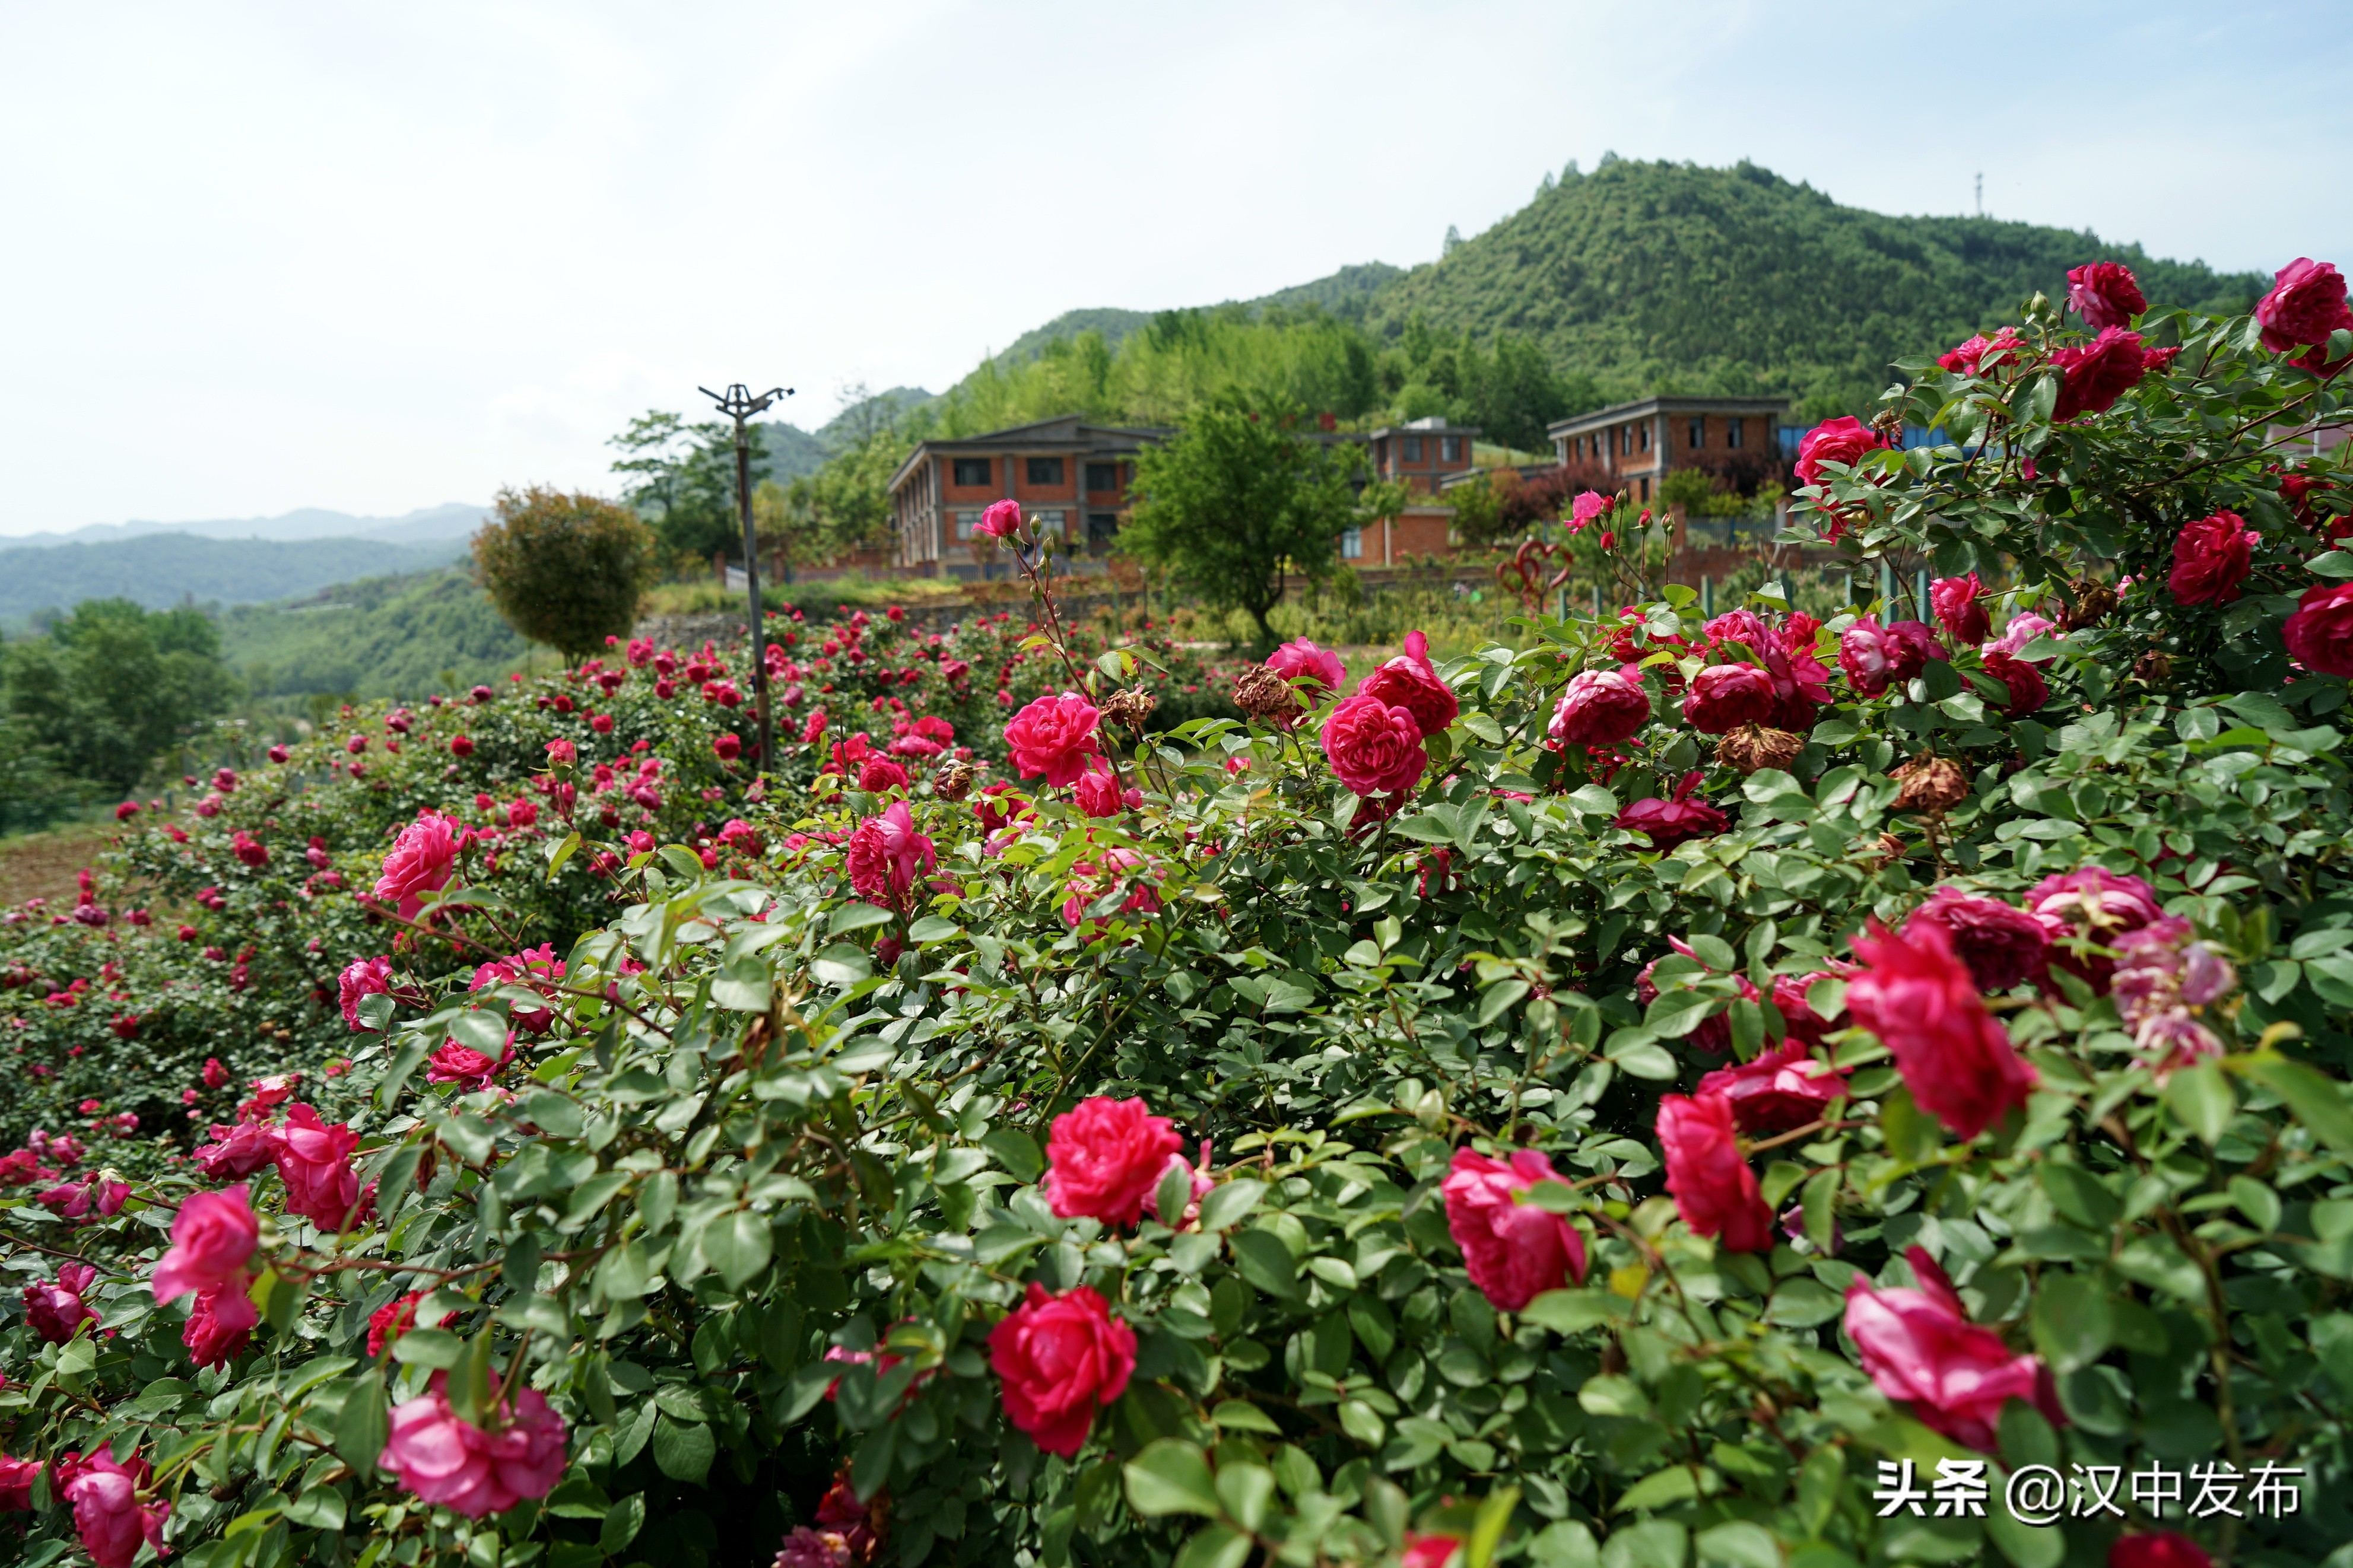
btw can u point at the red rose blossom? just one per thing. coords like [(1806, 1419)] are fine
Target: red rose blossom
[(1410, 682), (1061, 1358), (2105, 294), (1053, 737), (1715, 1190), (1724, 697), (1103, 1158), (1919, 1346), (1374, 747), (1599, 708), (314, 1159), (2027, 691), (1514, 1251), (2306, 304), (2095, 375), (1842, 440), (1959, 603), (1921, 1002), (420, 862), (2319, 634), (2001, 944), (2165, 1549), (1784, 1087), (1673, 822), (2211, 558)]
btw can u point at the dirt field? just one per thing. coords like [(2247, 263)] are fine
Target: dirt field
[(42, 865)]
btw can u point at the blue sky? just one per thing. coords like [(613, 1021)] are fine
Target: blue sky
[(377, 257)]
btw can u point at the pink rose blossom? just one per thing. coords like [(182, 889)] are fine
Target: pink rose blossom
[(475, 1471)]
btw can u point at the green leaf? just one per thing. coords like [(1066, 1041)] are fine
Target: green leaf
[(436, 1348), (1246, 1490), (840, 966), (1674, 1485), (1487, 1528), (932, 928), (738, 1244), (1215, 1546), (2073, 1322), (745, 985), (2201, 1097), (1737, 1544), (1242, 1415), (1016, 1151), (683, 1449), (316, 1507), (622, 1524), (857, 917), (1224, 1205), (2331, 564), (1574, 1311), (478, 1030), (2317, 1101), (1265, 1261), (557, 1115), (1171, 1475), (361, 1424)]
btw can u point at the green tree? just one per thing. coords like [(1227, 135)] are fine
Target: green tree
[(564, 569), (1240, 501), (113, 684), (682, 482)]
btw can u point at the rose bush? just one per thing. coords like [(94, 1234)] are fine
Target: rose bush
[(1600, 1153)]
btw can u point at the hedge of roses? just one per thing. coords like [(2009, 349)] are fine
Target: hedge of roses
[(1651, 1096)]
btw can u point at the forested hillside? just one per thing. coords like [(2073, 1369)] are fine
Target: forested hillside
[(1651, 276), (384, 637), (1633, 279)]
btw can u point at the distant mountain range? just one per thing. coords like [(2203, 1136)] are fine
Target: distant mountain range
[(169, 567), (428, 525)]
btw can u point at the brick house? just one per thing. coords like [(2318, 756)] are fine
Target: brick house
[(1072, 475), (1423, 454), (1638, 442)]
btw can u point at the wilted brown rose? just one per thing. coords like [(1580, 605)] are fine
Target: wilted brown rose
[(1890, 849), (2152, 669), (1754, 746), (953, 780), (1930, 783), (1261, 693), (2092, 602), (1131, 707)]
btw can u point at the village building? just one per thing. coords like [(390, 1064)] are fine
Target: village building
[(1637, 443), (1422, 455), (1072, 476)]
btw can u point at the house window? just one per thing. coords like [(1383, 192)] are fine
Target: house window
[(1050, 521), (1102, 526), (1103, 475), (1646, 438), (971, 471), (1413, 449), (1351, 541), (1044, 471), (1646, 489), (1449, 449), (967, 524), (1732, 434), (1698, 434)]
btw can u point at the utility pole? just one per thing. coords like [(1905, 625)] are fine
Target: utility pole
[(740, 404), (1981, 193)]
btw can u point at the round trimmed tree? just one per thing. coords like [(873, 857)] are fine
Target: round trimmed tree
[(564, 569)]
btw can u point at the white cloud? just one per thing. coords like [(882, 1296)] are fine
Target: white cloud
[(266, 256)]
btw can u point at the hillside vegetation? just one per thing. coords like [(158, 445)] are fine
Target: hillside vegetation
[(1656, 277), (1636, 278), (382, 637), (160, 569)]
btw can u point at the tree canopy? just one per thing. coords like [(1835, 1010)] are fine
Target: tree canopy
[(564, 569), (1239, 501), (111, 684)]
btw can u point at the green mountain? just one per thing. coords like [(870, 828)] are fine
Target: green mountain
[(1641, 278), (157, 570), (382, 637), (1658, 277)]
